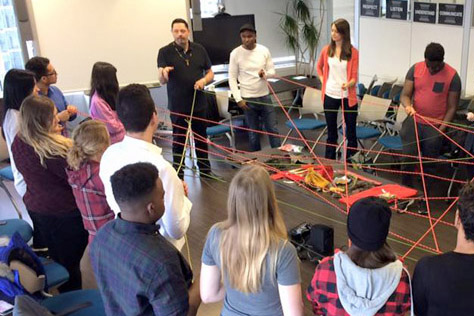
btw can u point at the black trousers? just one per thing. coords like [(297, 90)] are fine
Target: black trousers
[(66, 239), (469, 145), (179, 138), (38, 240), (430, 145), (331, 109)]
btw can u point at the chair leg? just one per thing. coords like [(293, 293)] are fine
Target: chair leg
[(378, 153), (231, 141), (286, 137), (368, 151), (319, 138), (192, 147), (15, 206), (338, 148), (232, 136), (452, 181)]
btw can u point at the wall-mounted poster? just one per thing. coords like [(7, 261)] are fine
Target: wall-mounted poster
[(397, 9), (451, 14), (425, 12), (370, 8)]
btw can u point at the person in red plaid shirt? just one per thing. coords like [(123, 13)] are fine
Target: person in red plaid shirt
[(91, 138), (367, 279)]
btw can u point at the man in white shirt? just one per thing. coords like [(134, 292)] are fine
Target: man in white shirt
[(136, 110), (250, 64)]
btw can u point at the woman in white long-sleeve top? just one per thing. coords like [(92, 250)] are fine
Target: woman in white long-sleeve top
[(17, 85)]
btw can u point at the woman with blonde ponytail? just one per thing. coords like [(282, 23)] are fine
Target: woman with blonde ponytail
[(40, 153), (247, 258), (91, 139)]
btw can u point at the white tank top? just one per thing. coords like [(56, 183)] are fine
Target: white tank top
[(337, 76)]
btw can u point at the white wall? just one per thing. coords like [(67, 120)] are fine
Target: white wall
[(470, 68), (390, 47), (74, 34), (447, 35), (343, 9), (384, 48)]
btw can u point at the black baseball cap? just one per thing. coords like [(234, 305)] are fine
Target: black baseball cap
[(247, 27)]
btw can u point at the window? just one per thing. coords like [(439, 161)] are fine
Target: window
[(10, 48)]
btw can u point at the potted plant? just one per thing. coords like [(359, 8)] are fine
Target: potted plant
[(302, 33)]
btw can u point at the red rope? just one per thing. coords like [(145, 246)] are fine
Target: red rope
[(427, 232), (234, 155), (424, 183), (344, 142), (442, 133), (298, 131)]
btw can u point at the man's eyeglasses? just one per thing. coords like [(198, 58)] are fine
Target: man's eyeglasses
[(54, 73)]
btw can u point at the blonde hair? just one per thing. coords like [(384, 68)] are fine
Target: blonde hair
[(36, 124), (253, 229), (90, 139)]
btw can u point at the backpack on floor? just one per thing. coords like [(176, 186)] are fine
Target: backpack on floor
[(17, 258)]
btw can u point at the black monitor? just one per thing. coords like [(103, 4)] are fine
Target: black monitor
[(220, 35)]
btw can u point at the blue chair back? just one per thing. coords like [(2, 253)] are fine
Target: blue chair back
[(375, 90)]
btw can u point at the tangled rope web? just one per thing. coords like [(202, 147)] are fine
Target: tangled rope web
[(237, 156)]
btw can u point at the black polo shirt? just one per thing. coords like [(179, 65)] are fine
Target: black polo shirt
[(189, 67)]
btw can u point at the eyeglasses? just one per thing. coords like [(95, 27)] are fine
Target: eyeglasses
[(54, 73)]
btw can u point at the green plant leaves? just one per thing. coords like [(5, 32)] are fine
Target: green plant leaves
[(301, 33)]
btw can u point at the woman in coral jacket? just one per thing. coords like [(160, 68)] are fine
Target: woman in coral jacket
[(337, 70)]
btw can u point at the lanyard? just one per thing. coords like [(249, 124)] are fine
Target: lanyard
[(186, 60)]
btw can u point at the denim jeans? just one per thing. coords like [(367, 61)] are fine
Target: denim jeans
[(258, 113)]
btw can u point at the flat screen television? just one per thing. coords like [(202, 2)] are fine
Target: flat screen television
[(220, 35)]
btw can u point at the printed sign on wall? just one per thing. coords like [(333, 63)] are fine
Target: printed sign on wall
[(397, 9), (370, 8), (451, 14), (425, 12)]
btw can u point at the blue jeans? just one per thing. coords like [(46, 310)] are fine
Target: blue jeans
[(261, 113)]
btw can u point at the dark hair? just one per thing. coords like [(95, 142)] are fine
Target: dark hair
[(104, 82), (38, 65), (134, 182), (135, 107), (343, 28), (371, 259), (466, 210), (17, 85), (179, 20), (434, 52)]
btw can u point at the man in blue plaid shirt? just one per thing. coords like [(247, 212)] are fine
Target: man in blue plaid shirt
[(138, 271)]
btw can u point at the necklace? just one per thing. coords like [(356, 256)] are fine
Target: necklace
[(186, 60)]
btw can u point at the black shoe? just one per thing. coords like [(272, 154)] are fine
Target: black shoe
[(403, 206), (41, 252), (422, 208)]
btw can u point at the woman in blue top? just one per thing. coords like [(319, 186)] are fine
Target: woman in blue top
[(260, 268)]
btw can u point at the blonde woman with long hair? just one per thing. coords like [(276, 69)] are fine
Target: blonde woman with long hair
[(247, 259), (40, 153)]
